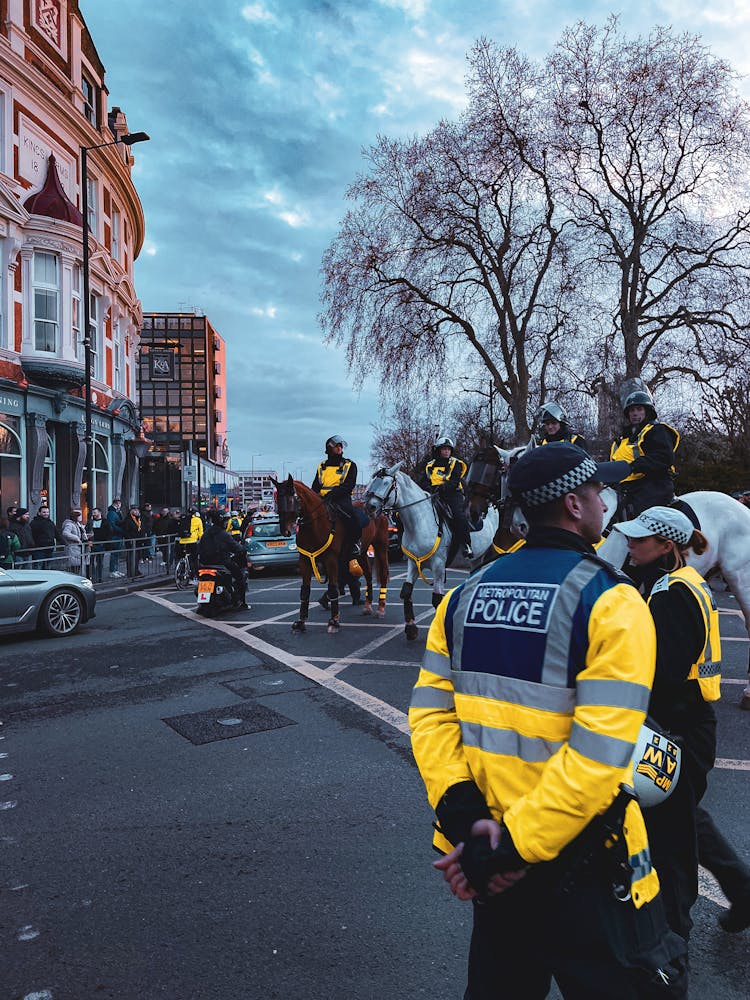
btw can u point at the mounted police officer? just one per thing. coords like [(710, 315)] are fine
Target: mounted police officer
[(553, 420), (443, 475), (524, 718), (649, 446), (335, 481)]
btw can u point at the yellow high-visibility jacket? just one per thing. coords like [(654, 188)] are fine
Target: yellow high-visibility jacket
[(534, 686), (707, 668), (196, 531)]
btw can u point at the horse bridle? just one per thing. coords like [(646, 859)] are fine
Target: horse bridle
[(393, 488)]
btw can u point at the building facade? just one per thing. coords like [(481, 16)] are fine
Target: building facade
[(255, 487), (183, 399), (53, 101)]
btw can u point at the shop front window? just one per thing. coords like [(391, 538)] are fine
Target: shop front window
[(101, 471), (10, 463)]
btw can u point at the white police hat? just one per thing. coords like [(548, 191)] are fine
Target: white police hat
[(663, 521)]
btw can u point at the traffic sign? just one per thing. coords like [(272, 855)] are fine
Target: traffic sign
[(189, 473)]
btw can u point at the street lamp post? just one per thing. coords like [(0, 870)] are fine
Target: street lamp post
[(127, 140)]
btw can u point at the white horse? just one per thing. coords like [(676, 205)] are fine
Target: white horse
[(726, 525), (724, 522), (425, 541)]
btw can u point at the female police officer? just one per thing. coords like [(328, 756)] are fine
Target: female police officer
[(686, 683), (532, 692)]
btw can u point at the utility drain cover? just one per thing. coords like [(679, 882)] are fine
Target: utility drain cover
[(226, 723)]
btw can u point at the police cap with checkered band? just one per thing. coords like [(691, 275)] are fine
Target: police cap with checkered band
[(549, 472), (663, 521)]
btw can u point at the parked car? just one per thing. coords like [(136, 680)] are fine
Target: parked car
[(266, 546), (51, 601)]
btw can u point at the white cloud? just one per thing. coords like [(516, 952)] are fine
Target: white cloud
[(150, 249), (256, 13), (268, 311), (274, 196), (414, 9), (294, 218)]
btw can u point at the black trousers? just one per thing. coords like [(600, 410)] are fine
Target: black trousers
[(644, 493), (457, 503), (533, 932), (672, 825), (717, 855)]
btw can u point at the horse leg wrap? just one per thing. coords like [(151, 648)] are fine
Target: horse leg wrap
[(304, 600), (382, 594), (406, 592)]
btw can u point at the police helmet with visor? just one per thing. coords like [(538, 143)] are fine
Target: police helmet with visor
[(639, 397), (552, 412), (333, 441)]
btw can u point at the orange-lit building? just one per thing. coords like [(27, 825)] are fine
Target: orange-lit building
[(53, 101), (183, 401)]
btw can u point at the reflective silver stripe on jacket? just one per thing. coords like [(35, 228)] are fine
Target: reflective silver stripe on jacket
[(514, 691), (709, 667), (462, 609), (598, 747), (640, 863), (617, 694), (555, 666), (436, 663), (431, 697), (530, 749)]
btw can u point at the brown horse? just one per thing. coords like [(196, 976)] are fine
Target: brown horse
[(319, 543)]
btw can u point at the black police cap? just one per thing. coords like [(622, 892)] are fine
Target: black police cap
[(550, 471)]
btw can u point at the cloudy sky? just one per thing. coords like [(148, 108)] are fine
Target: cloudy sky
[(258, 112)]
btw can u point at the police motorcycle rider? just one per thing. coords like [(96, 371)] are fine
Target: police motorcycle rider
[(648, 445), (553, 420), (529, 704), (335, 481), (444, 475), (218, 548)]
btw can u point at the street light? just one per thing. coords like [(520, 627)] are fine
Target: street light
[(258, 454), (488, 396), (127, 140)]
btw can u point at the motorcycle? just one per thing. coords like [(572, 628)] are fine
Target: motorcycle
[(215, 591)]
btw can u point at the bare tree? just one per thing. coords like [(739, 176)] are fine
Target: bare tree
[(453, 254), (650, 140)]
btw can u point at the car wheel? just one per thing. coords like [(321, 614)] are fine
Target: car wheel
[(61, 613)]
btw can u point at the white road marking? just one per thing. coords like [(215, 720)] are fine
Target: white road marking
[(709, 887), (338, 665), (381, 710), (732, 765), (733, 680), (368, 662), (734, 638)]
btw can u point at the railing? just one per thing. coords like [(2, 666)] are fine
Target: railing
[(106, 562)]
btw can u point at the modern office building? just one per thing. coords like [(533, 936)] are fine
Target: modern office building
[(255, 487), (53, 101), (183, 398)]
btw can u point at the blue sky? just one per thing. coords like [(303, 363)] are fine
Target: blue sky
[(258, 112)]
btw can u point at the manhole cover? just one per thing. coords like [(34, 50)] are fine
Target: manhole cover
[(228, 722)]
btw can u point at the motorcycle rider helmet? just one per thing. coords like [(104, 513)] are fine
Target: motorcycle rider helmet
[(333, 440), (217, 517), (442, 442), (656, 761), (640, 397), (552, 411)]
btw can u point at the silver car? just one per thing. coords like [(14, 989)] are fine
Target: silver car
[(56, 603), (266, 546)]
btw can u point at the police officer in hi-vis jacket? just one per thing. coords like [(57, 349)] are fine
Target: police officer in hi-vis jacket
[(444, 475), (649, 447), (553, 420), (335, 480), (524, 719)]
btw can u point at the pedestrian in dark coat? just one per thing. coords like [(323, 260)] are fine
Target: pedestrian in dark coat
[(115, 518), (132, 531), (46, 537), (20, 527), (99, 529)]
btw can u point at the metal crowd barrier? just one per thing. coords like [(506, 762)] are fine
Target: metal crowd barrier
[(106, 562)]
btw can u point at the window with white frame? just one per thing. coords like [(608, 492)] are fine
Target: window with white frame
[(115, 235), (46, 301), (94, 339), (76, 313), (117, 357), (92, 192), (89, 99)]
